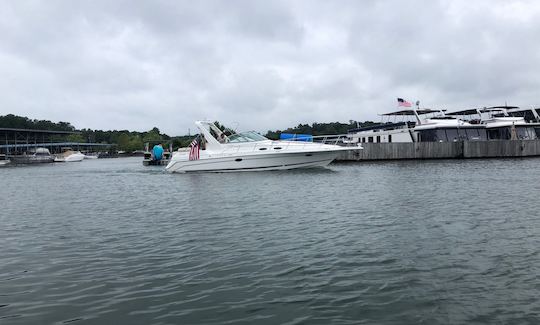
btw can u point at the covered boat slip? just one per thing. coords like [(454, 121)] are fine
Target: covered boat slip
[(20, 142), (444, 150)]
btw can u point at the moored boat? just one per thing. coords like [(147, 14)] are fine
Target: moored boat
[(4, 161), (69, 156), (40, 155), (215, 151)]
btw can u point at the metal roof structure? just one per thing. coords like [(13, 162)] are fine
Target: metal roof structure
[(38, 131), (14, 140), (56, 144)]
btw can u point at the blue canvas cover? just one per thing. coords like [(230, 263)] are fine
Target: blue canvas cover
[(158, 152), (296, 137)]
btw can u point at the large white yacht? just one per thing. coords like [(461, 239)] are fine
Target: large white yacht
[(405, 126), (250, 151), (503, 122), (428, 125)]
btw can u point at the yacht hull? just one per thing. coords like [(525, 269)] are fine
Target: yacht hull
[(274, 161)]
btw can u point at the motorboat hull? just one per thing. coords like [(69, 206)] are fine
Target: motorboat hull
[(242, 163), (70, 158)]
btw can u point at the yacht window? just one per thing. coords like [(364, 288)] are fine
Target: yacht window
[(529, 116), (462, 134), (452, 135), (250, 136), (389, 138), (441, 136), (523, 133), (499, 134), (532, 134), (378, 139), (537, 131), (474, 135), (370, 139), (428, 136)]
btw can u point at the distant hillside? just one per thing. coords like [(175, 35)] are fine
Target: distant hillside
[(21, 122)]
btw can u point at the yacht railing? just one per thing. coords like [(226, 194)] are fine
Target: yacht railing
[(339, 140)]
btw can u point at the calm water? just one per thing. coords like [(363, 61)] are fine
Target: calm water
[(113, 242)]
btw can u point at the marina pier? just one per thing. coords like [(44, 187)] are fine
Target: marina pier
[(444, 150)]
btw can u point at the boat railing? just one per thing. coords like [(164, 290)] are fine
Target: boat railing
[(337, 139), (343, 140)]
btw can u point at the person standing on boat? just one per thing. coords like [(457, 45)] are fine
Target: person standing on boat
[(157, 151), (222, 138)]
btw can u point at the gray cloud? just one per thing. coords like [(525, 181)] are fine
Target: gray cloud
[(263, 64)]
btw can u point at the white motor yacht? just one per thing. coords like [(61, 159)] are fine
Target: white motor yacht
[(249, 151), (69, 156)]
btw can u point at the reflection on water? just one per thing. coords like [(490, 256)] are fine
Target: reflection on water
[(111, 241)]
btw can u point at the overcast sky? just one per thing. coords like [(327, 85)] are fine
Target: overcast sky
[(261, 64)]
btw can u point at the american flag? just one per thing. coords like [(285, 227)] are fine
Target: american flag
[(194, 149), (403, 102)]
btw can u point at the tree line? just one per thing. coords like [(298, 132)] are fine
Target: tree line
[(315, 129), (132, 140)]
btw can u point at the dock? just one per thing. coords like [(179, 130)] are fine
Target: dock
[(443, 150)]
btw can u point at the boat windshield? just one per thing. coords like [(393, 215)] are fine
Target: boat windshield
[(250, 136)]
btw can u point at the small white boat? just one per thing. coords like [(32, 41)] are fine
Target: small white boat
[(69, 156), (4, 161), (249, 151), (90, 156)]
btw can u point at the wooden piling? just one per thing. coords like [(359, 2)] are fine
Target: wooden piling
[(444, 150)]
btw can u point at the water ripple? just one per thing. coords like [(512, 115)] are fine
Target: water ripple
[(418, 242)]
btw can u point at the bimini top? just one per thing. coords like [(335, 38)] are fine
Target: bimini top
[(411, 112)]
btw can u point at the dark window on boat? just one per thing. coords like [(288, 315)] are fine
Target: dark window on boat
[(499, 133), (428, 136), (389, 138), (452, 135), (262, 148), (476, 134), (462, 134), (277, 148), (538, 111), (441, 136), (370, 139), (525, 133), (378, 139), (537, 131), (529, 116), (363, 140), (532, 133)]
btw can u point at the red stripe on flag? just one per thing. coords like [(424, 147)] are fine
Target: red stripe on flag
[(194, 150)]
